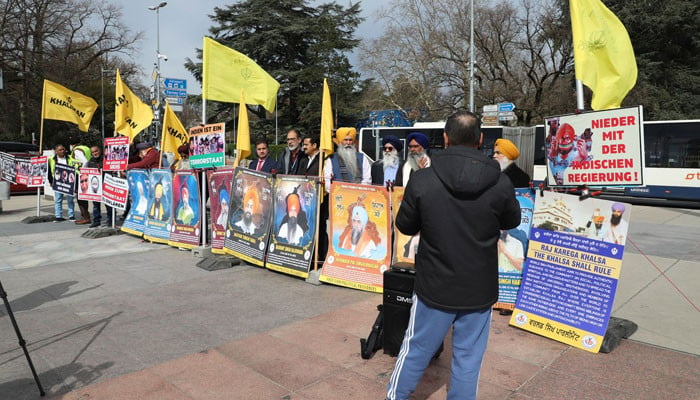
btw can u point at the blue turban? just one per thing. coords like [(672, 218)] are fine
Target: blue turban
[(223, 195), (394, 141), (359, 212), (420, 138)]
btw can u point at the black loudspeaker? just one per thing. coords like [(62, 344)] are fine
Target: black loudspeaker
[(398, 294)]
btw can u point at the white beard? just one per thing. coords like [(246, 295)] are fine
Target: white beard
[(503, 163), (413, 158), (348, 157), (390, 159), (293, 148)]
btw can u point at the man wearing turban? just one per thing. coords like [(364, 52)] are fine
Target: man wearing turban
[(251, 204), (223, 208), (617, 229), (390, 167), (347, 164), (361, 235), (294, 224), (418, 144), (505, 152)]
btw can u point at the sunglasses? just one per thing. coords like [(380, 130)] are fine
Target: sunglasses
[(388, 148)]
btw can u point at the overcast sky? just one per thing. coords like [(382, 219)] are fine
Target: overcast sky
[(183, 24)]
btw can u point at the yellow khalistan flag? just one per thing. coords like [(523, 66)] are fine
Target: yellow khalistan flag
[(225, 72), (174, 133), (326, 121), (131, 115), (66, 105), (243, 136), (603, 53)]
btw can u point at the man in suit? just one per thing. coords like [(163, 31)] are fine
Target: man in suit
[(264, 162), (310, 165), (293, 157), (389, 168)]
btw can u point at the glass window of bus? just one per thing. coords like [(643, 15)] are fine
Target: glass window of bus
[(672, 144)]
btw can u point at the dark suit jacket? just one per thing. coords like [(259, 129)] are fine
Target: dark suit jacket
[(378, 174), (268, 165), (518, 177), (311, 170)]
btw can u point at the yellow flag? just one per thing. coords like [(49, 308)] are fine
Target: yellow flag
[(174, 133), (131, 115), (225, 72), (243, 137), (326, 120), (66, 105), (603, 53)]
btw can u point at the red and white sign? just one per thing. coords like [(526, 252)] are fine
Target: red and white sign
[(90, 184), (40, 166), (116, 155), (115, 192)]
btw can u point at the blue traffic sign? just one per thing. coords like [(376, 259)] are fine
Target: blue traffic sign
[(505, 107), (175, 92), (171, 83)]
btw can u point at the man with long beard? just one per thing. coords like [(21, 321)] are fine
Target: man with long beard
[(361, 235), (347, 164), (617, 229), (294, 225), (565, 149), (505, 153), (418, 158), (390, 167), (250, 206)]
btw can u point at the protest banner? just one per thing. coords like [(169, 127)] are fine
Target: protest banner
[(159, 216), (207, 146), (249, 219), (116, 153), (64, 179), (90, 187), (115, 192), (360, 236), (40, 167), (219, 204), (9, 167), (405, 247), (23, 168), (186, 228), (135, 221), (293, 225), (512, 248), (602, 148), (572, 269)]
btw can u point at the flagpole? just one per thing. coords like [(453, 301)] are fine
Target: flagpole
[(579, 95), (322, 156), (41, 152)]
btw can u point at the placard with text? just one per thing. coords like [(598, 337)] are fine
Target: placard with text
[(186, 229), (207, 145), (135, 221), (159, 216), (116, 155), (219, 182)]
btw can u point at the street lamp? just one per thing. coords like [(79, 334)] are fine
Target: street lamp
[(158, 57)]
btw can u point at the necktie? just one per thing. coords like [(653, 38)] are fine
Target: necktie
[(260, 164)]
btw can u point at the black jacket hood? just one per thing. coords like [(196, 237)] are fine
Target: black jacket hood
[(475, 171)]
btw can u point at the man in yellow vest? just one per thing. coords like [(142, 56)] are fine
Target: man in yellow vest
[(81, 153)]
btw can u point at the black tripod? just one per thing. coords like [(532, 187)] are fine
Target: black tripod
[(22, 343)]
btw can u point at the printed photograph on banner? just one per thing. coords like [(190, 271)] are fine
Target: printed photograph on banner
[(293, 224), (249, 216), (90, 184), (116, 153), (139, 192), (601, 148), (23, 169), (219, 182), (64, 179), (40, 167), (115, 192), (186, 209), (572, 268), (9, 167), (159, 215), (405, 247), (207, 145)]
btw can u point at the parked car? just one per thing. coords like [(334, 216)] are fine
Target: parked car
[(20, 150)]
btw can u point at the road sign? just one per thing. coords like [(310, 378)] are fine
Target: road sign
[(175, 101), (490, 108), (489, 114), (171, 83), (505, 107), (175, 92)]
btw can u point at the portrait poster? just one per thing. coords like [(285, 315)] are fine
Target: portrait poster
[(360, 235), (40, 167), (159, 214), (291, 249), (115, 191), (9, 167), (64, 179), (512, 249), (24, 170), (249, 219), (219, 182), (207, 145), (405, 247), (139, 189), (186, 229), (90, 184), (116, 155), (600, 148), (572, 269)]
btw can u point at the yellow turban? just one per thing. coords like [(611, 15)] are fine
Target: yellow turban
[(342, 133), (508, 149)]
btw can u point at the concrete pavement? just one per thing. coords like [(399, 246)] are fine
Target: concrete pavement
[(119, 318)]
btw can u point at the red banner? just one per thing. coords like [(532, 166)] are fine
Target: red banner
[(116, 155)]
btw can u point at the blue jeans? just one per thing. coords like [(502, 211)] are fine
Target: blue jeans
[(426, 330), (58, 205), (97, 213)]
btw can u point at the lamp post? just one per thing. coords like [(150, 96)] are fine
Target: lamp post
[(102, 76), (158, 57)]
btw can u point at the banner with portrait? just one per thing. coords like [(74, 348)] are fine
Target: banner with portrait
[(512, 248), (9, 167), (207, 145), (159, 215), (116, 155), (40, 167), (139, 189), (573, 264), (291, 247), (115, 192), (24, 170), (219, 204), (186, 229), (360, 235), (90, 187), (64, 179), (249, 219), (405, 247)]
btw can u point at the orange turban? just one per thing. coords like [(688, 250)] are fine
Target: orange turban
[(293, 201), (341, 133), (252, 194), (508, 149)]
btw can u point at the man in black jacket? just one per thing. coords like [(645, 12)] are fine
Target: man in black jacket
[(459, 206), (96, 162), (390, 167), (505, 152)]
